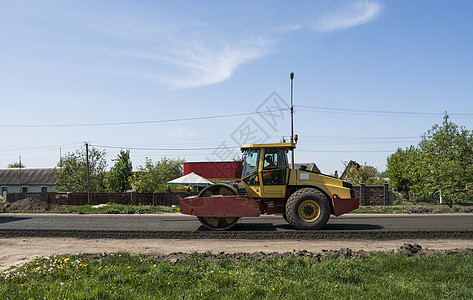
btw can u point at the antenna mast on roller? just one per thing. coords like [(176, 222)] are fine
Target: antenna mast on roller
[(292, 121)]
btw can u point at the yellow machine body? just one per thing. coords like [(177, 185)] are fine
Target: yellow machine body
[(258, 186)]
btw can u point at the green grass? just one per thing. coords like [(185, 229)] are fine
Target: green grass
[(111, 208), (122, 276), (393, 209)]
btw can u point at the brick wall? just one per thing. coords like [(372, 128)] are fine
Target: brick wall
[(373, 194)]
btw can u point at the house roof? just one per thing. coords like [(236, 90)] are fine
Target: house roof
[(27, 176), (352, 164), (287, 146)]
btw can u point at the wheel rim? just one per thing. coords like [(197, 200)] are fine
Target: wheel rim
[(309, 210), (218, 223)]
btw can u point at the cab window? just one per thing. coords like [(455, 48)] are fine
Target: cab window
[(271, 159), (274, 166), (250, 162)]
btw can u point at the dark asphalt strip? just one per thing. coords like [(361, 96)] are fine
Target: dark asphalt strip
[(244, 235)]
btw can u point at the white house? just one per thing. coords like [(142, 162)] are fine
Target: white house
[(27, 180)]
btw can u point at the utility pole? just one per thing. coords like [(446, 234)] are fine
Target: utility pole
[(21, 190), (87, 163), (292, 121)]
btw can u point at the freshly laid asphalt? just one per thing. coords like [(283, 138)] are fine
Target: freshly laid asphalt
[(178, 226)]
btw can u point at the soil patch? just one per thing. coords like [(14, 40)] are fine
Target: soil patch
[(411, 250), (27, 204), (16, 251)]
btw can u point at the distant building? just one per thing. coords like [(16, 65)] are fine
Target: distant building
[(27, 180), (351, 166)]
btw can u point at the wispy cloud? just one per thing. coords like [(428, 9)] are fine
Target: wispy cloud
[(191, 53), (196, 62), (201, 64), (355, 14)]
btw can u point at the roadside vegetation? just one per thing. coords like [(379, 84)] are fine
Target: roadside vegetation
[(438, 170), (413, 209), (439, 167), (124, 276), (110, 208), (71, 173)]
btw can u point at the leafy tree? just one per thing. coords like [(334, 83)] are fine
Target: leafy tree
[(441, 163), (16, 165), (448, 155), (118, 178), (405, 169), (355, 174), (152, 177), (71, 171)]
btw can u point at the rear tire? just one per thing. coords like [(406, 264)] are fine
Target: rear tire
[(307, 208)]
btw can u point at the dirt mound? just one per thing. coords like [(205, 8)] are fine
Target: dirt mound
[(255, 256), (27, 204), (411, 250)]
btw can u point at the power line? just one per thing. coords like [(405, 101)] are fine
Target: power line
[(165, 149), (36, 148), (140, 122), (381, 112), (380, 138), (349, 151)]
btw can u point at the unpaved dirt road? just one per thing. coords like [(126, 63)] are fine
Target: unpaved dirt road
[(15, 251)]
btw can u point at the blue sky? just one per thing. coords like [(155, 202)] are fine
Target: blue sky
[(370, 76)]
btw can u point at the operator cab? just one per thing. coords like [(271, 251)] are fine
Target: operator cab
[(265, 169)]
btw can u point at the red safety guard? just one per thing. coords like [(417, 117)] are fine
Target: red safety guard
[(344, 205), (224, 206)]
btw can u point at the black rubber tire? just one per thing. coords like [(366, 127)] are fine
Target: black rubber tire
[(310, 198), (218, 223)]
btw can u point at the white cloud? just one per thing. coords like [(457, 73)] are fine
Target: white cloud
[(198, 62), (356, 14), (204, 65), (191, 53)]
